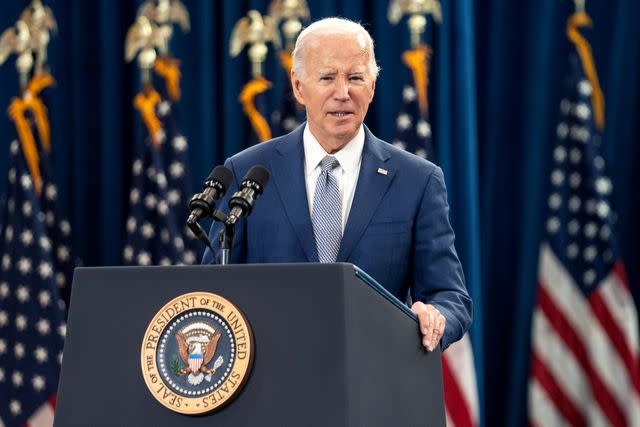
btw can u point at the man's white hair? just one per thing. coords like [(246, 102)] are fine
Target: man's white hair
[(332, 26)]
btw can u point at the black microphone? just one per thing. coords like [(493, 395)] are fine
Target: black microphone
[(203, 204), (241, 203)]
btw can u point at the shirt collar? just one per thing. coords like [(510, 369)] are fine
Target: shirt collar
[(348, 156)]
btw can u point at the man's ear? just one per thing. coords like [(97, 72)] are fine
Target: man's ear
[(296, 84)]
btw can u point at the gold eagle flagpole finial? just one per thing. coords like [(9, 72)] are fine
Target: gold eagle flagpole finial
[(255, 30), (17, 40), (417, 9), (165, 13), (417, 58), (41, 22), (292, 12)]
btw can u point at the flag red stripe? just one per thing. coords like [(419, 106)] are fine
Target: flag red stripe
[(616, 336), (565, 331), (454, 399), (620, 272), (53, 399), (558, 397)]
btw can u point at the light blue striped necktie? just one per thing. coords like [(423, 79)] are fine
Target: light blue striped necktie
[(327, 212)]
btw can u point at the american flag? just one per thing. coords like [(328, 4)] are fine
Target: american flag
[(175, 153), (289, 115), (584, 355), (32, 315), (58, 228), (413, 134), (153, 229)]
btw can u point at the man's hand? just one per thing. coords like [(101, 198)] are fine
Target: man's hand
[(432, 324)]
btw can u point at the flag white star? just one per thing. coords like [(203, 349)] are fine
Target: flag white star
[(151, 173), (289, 123), (163, 208), (4, 290), (14, 146), (38, 383), (164, 236), (16, 378), (62, 330), (560, 154), (41, 354), (176, 169), (25, 181), (24, 265), (408, 94), (127, 253), (12, 176), (589, 277), (22, 293), (161, 179), (189, 257), (603, 209), (27, 209), (4, 319), (178, 242), (423, 129), (44, 297), (43, 326), (3, 346), (557, 177), (147, 230), (26, 237), (403, 122), (1, 375), (179, 143), (137, 167), (51, 192), (163, 108), (131, 225), (605, 232), (584, 87), (603, 185), (134, 196), (401, 145), (173, 197), (62, 253), (45, 244), (144, 258), (8, 235), (165, 261), (18, 350), (574, 204), (60, 280), (44, 269), (21, 322), (15, 407), (65, 227), (6, 262), (421, 152), (150, 201), (582, 111), (50, 218)]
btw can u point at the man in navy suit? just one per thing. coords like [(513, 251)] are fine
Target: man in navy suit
[(338, 193)]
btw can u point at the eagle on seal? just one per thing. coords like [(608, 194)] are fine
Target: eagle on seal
[(197, 343)]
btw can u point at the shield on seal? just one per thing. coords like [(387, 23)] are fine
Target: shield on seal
[(195, 362)]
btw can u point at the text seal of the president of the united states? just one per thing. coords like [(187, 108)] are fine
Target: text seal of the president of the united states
[(197, 353)]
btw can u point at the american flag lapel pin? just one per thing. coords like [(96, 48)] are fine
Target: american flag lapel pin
[(382, 171)]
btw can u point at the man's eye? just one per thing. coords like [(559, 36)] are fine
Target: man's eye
[(356, 78), (328, 78)]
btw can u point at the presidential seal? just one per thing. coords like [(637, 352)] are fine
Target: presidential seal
[(197, 353)]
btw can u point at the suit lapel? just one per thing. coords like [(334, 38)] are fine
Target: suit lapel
[(287, 170), (371, 187)]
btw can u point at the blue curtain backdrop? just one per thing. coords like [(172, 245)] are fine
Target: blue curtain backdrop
[(494, 95)]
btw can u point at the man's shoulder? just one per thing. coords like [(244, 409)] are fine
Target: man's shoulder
[(264, 151), (402, 159)]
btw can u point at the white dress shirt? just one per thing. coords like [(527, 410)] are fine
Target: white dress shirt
[(349, 157)]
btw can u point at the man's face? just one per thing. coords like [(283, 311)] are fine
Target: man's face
[(336, 90)]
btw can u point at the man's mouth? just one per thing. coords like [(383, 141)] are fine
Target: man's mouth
[(340, 113)]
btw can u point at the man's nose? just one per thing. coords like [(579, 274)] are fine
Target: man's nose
[(342, 90)]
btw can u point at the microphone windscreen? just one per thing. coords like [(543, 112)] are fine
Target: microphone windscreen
[(259, 174), (222, 175)]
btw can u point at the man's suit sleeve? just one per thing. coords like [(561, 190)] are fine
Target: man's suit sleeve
[(437, 273)]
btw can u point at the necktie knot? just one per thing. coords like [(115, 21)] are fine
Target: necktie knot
[(328, 164)]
